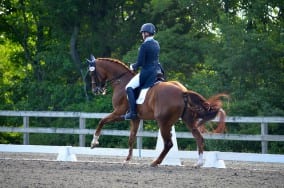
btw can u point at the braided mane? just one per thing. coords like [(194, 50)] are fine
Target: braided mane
[(115, 61)]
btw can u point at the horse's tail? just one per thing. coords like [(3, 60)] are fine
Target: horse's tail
[(221, 125), (207, 110)]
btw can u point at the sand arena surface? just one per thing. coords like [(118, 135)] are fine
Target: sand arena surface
[(41, 170)]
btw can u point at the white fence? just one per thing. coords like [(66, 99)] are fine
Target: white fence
[(263, 137)]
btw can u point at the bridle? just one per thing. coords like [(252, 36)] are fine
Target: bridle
[(98, 86)]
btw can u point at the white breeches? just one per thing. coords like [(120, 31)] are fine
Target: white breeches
[(134, 82)]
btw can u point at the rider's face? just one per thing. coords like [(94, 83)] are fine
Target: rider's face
[(144, 35)]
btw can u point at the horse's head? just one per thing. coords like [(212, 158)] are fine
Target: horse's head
[(98, 83)]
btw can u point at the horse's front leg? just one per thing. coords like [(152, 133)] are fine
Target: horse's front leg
[(97, 133), (134, 125), (110, 118)]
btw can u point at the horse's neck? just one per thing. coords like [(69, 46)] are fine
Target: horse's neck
[(122, 82), (121, 79), (118, 75)]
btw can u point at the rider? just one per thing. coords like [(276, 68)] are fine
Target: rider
[(148, 60)]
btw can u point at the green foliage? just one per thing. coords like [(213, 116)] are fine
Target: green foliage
[(54, 139), (209, 46), (8, 138), (233, 146)]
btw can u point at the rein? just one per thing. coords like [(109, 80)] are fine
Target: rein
[(117, 78)]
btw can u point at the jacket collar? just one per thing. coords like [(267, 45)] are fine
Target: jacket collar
[(149, 38)]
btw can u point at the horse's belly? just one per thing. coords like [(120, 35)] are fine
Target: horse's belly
[(145, 112)]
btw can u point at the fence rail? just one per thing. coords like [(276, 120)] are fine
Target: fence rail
[(263, 137)]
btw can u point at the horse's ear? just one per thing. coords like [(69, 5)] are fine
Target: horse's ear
[(93, 58)]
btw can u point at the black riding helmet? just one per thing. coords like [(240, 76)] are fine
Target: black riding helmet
[(149, 28)]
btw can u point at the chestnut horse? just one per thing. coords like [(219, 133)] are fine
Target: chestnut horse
[(165, 102)]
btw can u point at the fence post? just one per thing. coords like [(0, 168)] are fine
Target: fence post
[(139, 143), (82, 125), (26, 136), (264, 131)]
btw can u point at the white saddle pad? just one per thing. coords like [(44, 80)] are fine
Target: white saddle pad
[(142, 96)]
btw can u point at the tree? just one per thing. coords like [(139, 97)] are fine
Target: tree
[(209, 46)]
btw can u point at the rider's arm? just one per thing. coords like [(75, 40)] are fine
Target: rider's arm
[(141, 58)]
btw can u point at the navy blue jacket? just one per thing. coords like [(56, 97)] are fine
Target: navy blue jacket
[(148, 59)]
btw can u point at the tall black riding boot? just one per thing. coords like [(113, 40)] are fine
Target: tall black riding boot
[(132, 114)]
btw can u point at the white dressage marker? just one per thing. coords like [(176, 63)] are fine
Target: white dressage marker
[(212, 161), (172, 157), (65, 154)]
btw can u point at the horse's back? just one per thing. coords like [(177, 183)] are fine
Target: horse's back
[(163, 99), (173, 87), (178, 84)]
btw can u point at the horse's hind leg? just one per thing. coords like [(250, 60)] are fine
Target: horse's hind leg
[(199, 140), (168, 144), (200, 144)]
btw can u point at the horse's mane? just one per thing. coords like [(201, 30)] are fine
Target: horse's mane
[(115, 61)]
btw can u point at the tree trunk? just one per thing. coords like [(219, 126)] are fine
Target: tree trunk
[(76, 58)]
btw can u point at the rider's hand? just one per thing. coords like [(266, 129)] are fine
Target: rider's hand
[(131, 67)]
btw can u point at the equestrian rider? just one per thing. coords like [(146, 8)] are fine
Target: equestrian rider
[(148, 60)]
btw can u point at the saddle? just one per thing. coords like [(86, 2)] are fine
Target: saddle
[(140, 94)]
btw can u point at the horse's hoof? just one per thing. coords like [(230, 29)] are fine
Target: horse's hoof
[(128, 158), (154, 164), (94, 145), (126, 161), (198, 165)]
